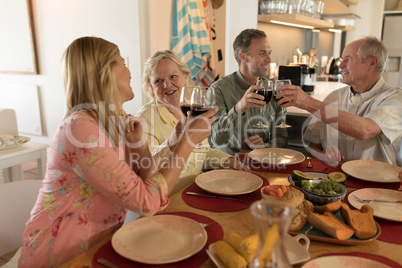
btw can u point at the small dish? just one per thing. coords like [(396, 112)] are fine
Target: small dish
[(296, 250), (264, 194)]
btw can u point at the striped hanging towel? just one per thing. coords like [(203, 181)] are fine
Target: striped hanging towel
[(190, 40)]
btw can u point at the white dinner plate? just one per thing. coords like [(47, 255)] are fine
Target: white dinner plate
[(277, 156), (18, 141), (383, 210), (373, 171), (344, 262), (295, 250), (228, 182), (159, 239)]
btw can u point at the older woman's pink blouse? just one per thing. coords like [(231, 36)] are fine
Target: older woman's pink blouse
[(84, 195)]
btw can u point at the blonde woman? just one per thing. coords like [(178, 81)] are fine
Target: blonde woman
[(164, 76), (88, 185)]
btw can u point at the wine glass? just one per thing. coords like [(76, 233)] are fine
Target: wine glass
[(185, 99), (266, 92), (202, 100), (279, 83)]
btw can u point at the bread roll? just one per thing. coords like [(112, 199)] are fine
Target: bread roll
[(294, 197)]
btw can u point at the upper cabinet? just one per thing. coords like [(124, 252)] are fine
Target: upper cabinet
[(331, 8), (295, 20), (393, 7)]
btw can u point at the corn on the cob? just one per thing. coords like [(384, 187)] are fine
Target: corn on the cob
[(234, 239), (250, 244), (229, 256)]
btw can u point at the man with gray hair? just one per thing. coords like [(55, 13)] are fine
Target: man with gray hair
[(239, 105), (360, 121)]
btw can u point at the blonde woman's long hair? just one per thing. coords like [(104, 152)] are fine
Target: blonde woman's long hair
[(90, 83), (150, 65)]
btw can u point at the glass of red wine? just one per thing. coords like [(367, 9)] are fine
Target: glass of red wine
[(278, 84), (185, 99), (202, 100), (266, 92)]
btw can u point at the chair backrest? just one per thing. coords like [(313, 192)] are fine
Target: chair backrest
[(17, 200), (8, 122)]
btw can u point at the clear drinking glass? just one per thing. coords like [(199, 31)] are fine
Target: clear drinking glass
[(279, 83), (202, 100), (185, 99), (266, 92), (273, 219)]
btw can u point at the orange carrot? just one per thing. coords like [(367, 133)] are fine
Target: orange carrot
[(272, 193), (279, 192), (283, 188)]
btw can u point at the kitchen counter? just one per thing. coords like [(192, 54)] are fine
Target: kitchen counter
[(299, 119), (321, 90)]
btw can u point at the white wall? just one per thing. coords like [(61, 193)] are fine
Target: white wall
[(370, 22), (57, 24), (240, 15)]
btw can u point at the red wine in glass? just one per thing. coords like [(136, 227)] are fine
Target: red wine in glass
[(197, 110), (185, 109), (202, 100), (267, 94)]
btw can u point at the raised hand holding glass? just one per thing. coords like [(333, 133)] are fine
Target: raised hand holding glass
[(279, 83), (266, 92)]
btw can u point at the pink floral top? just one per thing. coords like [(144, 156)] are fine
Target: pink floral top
[(87, 188)]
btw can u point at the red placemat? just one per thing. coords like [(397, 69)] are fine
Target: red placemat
[(318, 166), (391, 231), (220, 205), (378, 258), (214, 232), (357, 183)]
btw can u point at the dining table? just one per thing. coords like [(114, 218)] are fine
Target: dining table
[(242, 222)]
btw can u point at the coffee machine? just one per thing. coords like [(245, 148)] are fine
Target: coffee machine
[(300, 75)]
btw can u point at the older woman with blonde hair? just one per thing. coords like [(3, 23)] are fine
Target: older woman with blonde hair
[(88, 185), (163, 78)]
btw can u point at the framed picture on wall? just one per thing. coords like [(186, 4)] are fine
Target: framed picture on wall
[(18, 53)]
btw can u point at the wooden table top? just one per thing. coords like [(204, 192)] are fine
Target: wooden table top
[(242, 222)]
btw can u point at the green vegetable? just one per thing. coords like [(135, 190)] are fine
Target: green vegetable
[(324, 187), (298, 177), (338, 176)]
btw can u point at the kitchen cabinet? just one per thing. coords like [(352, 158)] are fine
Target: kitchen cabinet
[(331, 7), (295, 19)]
